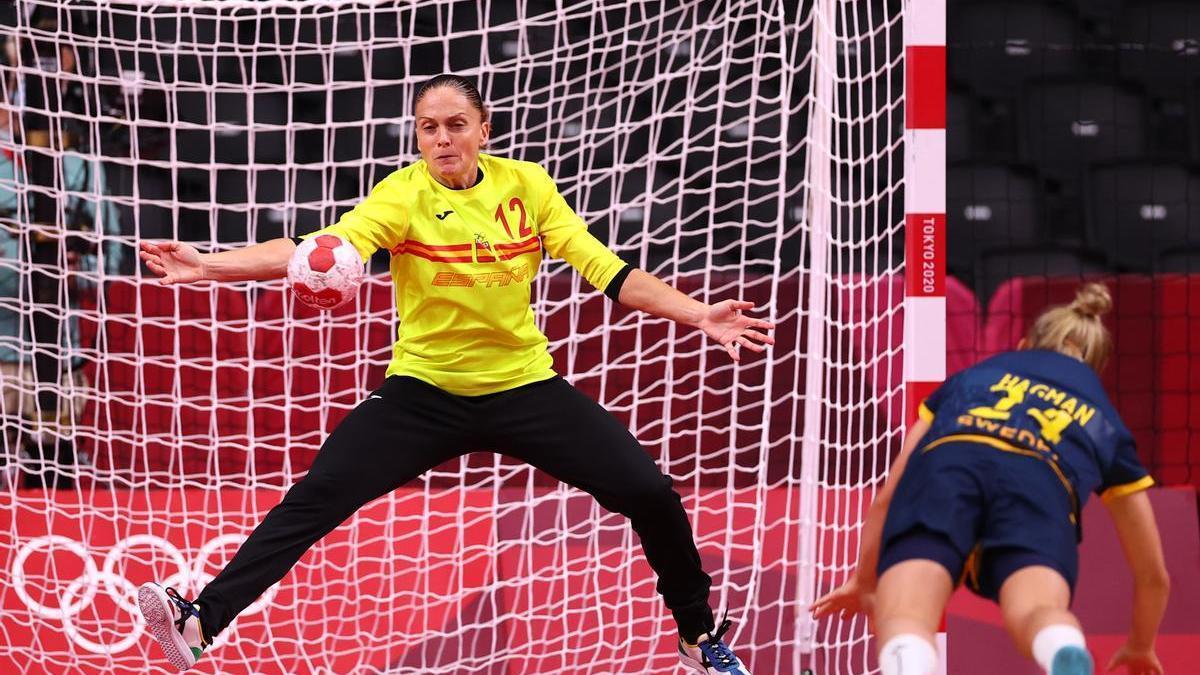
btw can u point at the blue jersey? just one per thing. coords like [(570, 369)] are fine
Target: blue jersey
[(1042, 404)]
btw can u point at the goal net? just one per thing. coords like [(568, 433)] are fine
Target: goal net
[(749, 148)]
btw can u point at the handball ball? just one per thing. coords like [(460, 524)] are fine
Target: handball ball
[(325, 271)]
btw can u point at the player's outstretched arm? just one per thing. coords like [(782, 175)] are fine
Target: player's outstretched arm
[(854, 596), (177, 262), (1134, 520), (723, 321)]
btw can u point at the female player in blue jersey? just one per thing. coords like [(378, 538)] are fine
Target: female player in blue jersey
[(988, 490), (470, 371)]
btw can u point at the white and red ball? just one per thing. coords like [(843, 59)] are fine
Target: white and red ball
[(325, 271)]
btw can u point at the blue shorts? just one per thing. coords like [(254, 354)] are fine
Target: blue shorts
[(983, 514)]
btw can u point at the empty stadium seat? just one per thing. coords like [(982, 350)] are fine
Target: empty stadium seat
[(989, 206), (1180, 260), (1069, 124), (998, 45), (1055, 261), (1097, 11), (1194, 121), (959, 120), (154, 218), (1159, 44), (1137, 210)]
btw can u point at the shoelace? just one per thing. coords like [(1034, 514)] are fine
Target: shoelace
[(186, 609), (715, 650)]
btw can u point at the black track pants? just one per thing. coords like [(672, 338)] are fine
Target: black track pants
[(407, 427)]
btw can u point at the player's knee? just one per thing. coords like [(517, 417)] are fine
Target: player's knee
[(1032, 590)]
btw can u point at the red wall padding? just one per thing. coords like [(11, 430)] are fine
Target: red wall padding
[(280, 376), (1154, 376)]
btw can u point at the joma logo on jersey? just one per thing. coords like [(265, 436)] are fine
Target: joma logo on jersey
[(487, 279)]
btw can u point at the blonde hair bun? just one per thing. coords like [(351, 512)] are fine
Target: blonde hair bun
[(1092, 300)]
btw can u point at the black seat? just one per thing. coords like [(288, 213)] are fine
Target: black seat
[(1070, 124), (1159, 47), (1138, 209), (1104, 12), (1160, 44), (959, 125), (997, 45), (989, 206), (997, 265), (1181, 260)]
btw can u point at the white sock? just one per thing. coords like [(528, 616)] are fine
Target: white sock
[(908, 655), (1053, 638)]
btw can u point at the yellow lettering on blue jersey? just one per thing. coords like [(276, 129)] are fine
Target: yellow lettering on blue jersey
[(1048, 393), (1013, 388), (1026, 437), (1053, 422), (1022, 436), (1084, 414)]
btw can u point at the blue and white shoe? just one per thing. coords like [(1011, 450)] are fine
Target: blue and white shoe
[(711, 655), (174, 623), (1072, 660)]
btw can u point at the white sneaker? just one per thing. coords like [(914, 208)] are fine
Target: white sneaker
[(174, 623), (711, 656)]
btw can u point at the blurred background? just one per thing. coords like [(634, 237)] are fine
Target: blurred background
[(1073, 136)]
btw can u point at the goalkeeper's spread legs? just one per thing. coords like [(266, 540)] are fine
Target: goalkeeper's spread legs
[(407, 427), (398, 433)]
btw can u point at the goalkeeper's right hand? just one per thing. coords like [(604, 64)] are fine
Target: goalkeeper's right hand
[(173, 261)]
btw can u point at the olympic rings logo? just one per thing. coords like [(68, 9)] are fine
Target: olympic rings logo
[(81, 591)]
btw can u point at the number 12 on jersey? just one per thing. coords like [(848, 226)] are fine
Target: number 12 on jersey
[(515, 206)]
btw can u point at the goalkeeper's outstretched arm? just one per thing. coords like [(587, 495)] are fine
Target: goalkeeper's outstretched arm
[(176, 262), (722, 321)]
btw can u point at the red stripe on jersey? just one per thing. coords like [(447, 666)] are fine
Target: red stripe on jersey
[(443, 253), (534, 247), (519, 244), (439, 247), (442, 259)]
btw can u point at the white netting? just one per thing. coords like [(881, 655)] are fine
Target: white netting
[(734, 149)]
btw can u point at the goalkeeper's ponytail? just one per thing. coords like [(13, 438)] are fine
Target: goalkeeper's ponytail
[(1076, 329)]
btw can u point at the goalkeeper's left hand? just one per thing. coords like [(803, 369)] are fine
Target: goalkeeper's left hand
[(726, 324)]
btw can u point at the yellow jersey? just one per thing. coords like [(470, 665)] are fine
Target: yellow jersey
[(463, 263)]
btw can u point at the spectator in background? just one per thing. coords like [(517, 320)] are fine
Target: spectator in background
[(27, 429)]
